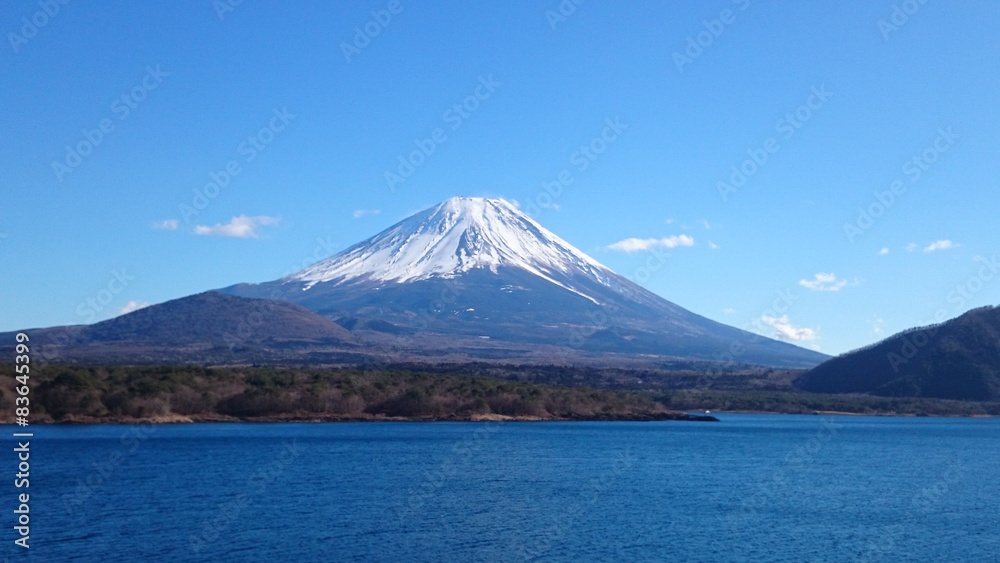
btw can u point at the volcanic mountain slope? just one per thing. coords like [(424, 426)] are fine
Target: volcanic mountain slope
[(477, 276), (959, 359), (207, 327)]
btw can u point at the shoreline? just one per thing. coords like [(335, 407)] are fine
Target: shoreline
[(301, 418)]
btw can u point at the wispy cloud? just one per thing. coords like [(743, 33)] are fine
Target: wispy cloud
[(939, 245), (878, 326), (884, 251), (912, 247), (241, 226), (712, 245), (167, 225), (826, 282), (637, 244), (729, 311), (133, 305), (706, 224), (359, 213), (785, 330)]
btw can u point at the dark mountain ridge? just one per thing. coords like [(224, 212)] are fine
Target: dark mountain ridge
[(207, 327), (957, 359)]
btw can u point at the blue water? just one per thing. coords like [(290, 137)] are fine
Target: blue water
[(749, 488)]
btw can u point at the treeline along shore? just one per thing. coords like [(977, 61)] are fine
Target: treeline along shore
[(94, 394), (65, 393)]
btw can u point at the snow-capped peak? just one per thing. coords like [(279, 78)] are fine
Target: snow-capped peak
[(456, 236)]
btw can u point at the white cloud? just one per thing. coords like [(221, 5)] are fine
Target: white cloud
[(878, 326), (785, 330), (712, 245), (884, 251), (241, 226), (729, 311), (706, 224), (671, 221), (132, 305), (826, 282), (637, 244), (359, 213), (167, 224), (939, 245), (911, 247)]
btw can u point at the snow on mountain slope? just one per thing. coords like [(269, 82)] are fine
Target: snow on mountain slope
[(454, 237)]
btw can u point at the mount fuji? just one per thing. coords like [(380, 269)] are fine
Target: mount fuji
[(476, 277)]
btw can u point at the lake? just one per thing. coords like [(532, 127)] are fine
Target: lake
[(748, 488)]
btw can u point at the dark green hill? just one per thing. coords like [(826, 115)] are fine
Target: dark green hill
[(958, 359), (208, 327), (210, 317)]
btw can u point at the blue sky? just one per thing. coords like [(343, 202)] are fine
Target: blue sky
[(825, 172)]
